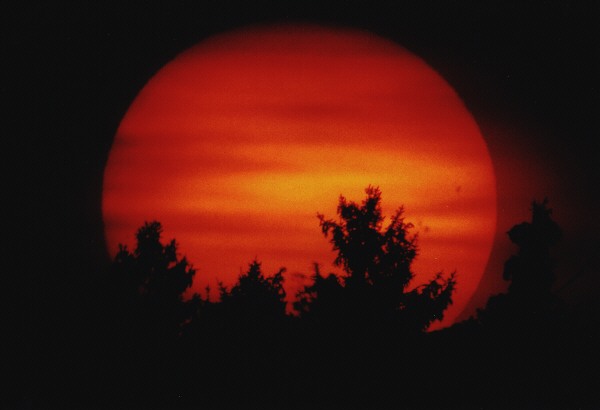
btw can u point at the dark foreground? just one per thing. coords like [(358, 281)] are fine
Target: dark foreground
[(465, 367)]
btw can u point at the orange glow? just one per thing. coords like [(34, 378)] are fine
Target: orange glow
[(237, 143)]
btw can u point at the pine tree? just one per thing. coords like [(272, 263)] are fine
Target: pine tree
[(377, 264), (153, 280)]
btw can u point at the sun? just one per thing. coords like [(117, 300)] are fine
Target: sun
[(238, 142)]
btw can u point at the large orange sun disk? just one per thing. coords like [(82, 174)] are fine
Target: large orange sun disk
[(237, 143)]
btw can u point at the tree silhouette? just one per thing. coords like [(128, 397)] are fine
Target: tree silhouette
[(529, 301), (155, 280), (149, 315), (358, 340), (530, 271), (377, 265), (323, 299), (354, 330), (254, 300), (528, 337)]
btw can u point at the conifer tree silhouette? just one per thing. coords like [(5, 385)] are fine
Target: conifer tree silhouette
[(150, 304), (153, 280), (255, 299), (149, 316), (377, 265)]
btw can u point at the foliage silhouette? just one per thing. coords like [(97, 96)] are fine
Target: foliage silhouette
[(358, 341), (254, 300), (238, 340), (155, 280), (526, 339), (530, 271), (377, 265), (149, 315), (529, 302)]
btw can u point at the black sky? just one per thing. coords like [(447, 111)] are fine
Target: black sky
[(527, 72)]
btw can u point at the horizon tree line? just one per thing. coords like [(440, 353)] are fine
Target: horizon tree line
[(373, 289), (346, 327)]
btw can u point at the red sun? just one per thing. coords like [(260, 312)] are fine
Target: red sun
[(238, 142)]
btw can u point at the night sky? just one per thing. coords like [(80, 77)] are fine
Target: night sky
[(527, 72)]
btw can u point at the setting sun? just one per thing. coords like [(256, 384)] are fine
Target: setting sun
[(237, 143)]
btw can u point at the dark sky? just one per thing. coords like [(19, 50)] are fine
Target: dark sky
[(527, 72)]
